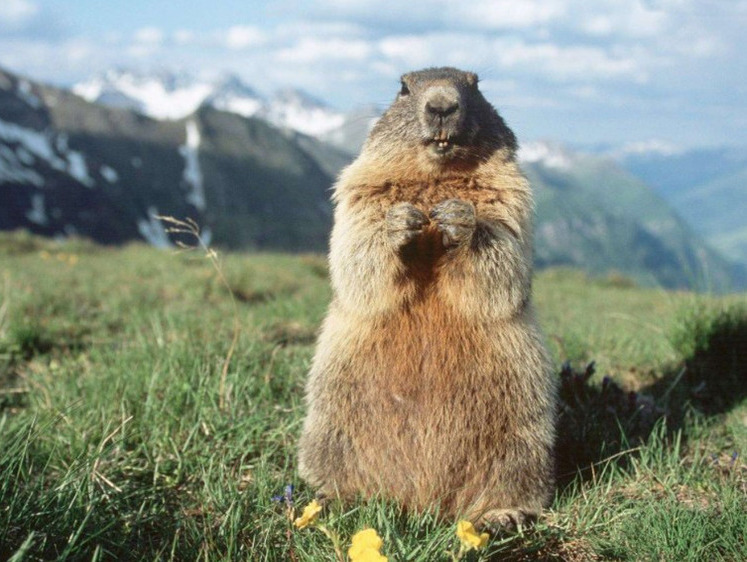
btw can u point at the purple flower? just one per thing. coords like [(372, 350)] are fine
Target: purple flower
[(287, 497)]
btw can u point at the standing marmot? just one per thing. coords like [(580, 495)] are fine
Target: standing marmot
[(430, 384)]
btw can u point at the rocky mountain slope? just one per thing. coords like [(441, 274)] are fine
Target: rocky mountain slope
[(68, 166)]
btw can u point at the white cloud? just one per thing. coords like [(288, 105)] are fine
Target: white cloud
[(482, 14), (243, 36), (184, 36), (507, 14), (15, 13), (566, 63), (314, 50), (149, 36), (626, 18), (544, 60)]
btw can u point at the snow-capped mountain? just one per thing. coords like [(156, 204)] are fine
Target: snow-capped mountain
[(163, 95), (301, 112), (231, 94)]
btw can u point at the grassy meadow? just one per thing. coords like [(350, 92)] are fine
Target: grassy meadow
[(150, 404)]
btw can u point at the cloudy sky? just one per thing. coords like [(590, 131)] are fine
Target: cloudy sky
[(608, 71)]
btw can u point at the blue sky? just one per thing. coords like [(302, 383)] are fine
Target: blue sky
[(609, 71)]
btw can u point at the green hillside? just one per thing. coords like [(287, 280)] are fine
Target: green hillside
[(595, 215), (150, 403), (708, 188), (718, 208)]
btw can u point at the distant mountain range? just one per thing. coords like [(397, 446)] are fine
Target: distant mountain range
[(164, 95), (255, 172), (707, 187)]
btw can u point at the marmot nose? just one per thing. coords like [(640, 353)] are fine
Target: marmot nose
[(441, 102), (441, 109)]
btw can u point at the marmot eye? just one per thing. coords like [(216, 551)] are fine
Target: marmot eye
[(405, 90)]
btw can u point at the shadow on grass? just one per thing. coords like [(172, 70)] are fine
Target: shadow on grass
[(601, 422)]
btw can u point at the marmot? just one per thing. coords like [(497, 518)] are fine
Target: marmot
[(431, 384)]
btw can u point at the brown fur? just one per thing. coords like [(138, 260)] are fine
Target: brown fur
[(430, 384)]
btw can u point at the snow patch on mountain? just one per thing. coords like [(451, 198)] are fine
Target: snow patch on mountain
[(78, 169), (230, 94), (37, 213), (161, 96), (109, 174), (192, 175), (153, 231), (37, 143), (15, 168), (24, 92), (301, 112), (76, 164), (246, 107), (30, 145)]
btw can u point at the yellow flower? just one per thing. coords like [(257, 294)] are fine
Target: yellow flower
[(469, 536), (309, 514), (365, 547)]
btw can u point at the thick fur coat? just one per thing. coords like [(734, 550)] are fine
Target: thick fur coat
[(431, 384)]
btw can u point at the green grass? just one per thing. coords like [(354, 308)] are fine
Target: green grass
[(120, 440)]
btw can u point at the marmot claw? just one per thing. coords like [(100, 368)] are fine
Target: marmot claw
[(456, 220), (404, 222)]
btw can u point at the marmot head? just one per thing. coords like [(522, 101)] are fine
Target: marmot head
[(442, 113)]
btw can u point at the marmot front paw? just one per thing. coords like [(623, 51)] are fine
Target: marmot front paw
[(403, 223), (456, 220)]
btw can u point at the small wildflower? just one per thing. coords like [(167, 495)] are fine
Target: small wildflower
[(734, 456), (309, 514), (470, 537), (287, 497), (366, 546)]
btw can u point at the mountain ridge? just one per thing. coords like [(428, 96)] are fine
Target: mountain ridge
[(163, 95)]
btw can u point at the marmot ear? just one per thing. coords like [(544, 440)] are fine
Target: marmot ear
[(405, 84), (472, 79)]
